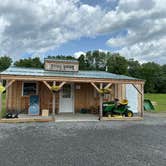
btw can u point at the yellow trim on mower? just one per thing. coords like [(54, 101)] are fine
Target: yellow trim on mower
[(124, 102)]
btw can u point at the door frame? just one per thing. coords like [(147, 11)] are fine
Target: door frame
[(72, 96)]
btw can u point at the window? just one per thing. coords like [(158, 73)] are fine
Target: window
[(66, 91), (55, 67), (29, 88), (69, 67)]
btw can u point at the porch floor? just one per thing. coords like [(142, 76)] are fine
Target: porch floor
[(27, 118), (70, 117)]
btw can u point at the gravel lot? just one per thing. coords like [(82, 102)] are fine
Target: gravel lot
[(139, 143)]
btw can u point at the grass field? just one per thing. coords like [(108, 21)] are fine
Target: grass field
[(160, 99)]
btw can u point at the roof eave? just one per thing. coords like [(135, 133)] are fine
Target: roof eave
[(68, 79)]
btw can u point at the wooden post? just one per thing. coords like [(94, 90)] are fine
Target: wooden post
[(0, 105), (93, 84), (53, 102), (9, 84), (108, 85), (142, 100), (140, 92), (48, 86), (0, 101), (101, 103)]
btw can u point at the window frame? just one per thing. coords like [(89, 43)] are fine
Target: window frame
[(37, 87), (55, 67), (68, 67)]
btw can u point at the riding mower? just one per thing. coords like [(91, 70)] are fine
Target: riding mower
[(115, 107)]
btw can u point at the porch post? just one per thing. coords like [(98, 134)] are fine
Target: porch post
[(53, 102), (101, 103), (142, 100), (0, 101)]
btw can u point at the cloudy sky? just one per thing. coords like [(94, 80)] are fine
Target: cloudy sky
[(135, 28)]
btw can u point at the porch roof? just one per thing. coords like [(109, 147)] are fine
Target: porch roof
[(20, 71)]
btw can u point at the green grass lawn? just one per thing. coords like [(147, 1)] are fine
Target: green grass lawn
[(3, 105), (160, 99)]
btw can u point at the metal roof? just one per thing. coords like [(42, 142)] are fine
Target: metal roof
[(80, 74)]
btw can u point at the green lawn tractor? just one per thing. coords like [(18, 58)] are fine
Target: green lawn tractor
[(113, 108)]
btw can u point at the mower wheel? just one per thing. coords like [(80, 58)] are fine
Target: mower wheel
[(109, 114), (129, 114)]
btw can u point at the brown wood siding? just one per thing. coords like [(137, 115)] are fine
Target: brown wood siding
[(17, 102), (45, 97), (13, 96), (119, 91), (85, 97), (139, 100)]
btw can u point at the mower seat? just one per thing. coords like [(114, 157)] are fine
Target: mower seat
[(124, 102)]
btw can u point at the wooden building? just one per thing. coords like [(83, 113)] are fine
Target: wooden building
[(61, 88)]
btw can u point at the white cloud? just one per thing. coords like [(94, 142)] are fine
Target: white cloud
[(38, 26), (145, 22), (77, 54)]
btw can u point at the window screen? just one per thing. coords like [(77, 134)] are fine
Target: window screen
[(66, 91), (55, 67), (68, 67), (29, 89)]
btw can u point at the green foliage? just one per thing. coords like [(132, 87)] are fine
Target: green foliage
[(134, 68), (30, 62), (62, 57), (93, 60), (82, 62), (161, 84), (117, 64), (5, 62), (151, 72)]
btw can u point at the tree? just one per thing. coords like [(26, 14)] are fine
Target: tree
[(161, 85), (30, 62), (151, 72), (82, 62), (134, 68), (5, 62), (99, 60), (62, 57), (94, 60), (117, 64)]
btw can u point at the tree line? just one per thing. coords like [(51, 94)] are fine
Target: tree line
[(153, 73)]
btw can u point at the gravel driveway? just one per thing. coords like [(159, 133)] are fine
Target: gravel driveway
[(139, 143)]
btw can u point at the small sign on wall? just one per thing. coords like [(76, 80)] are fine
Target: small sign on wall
[(78, 87)]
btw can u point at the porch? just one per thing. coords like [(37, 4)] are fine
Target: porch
[(70, 100), (77, 117), (24, 118)]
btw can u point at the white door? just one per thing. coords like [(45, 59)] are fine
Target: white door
[(132, 97), (67, 99)]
